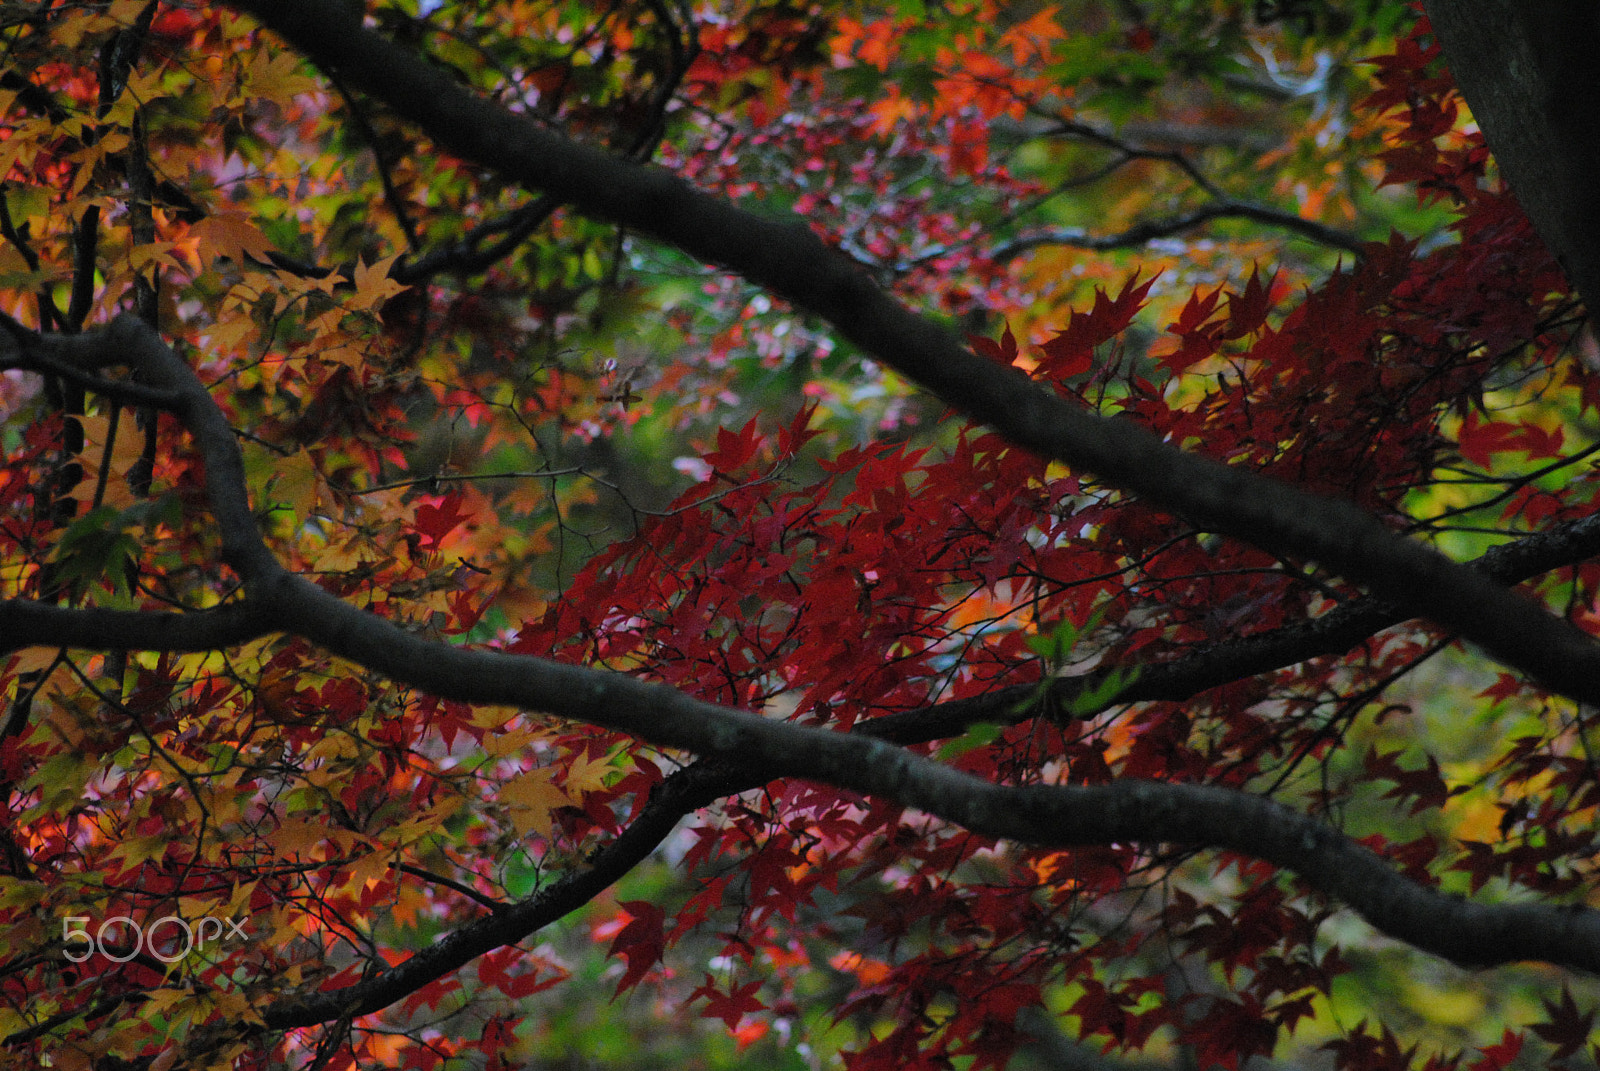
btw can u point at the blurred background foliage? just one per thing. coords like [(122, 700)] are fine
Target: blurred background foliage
[(399, 329)]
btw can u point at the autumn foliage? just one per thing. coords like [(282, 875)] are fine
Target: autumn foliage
[(510, 507)]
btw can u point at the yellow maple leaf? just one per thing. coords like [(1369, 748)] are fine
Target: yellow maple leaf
[(135, 851), (198, 907), (275, 78), (368, 870), (421, 825), (531, 798), (585, 775), (333, 749), (373, 285), (353, 554), (125, 12), (29, 203), (12, 1022), (231, 235), (492, 716), (351, 357), (32, 660), (16, 893), (408, 905), (222, 797), (159, 1004), (239, 903), (286, 928), (234, 1005), (90, 157), (296, 837), (236, 334), (510, 742), (295, 484), (126, 451), (71, 30)]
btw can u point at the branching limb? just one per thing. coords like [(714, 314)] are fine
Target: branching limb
[(1181, 678), (123, 390), (1130, 811), (130, 342), (391, 193), (680, 794), (791, 262), (467, 255), (1218, 206)]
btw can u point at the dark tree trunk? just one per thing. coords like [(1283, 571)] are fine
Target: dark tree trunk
[(1530, 72)]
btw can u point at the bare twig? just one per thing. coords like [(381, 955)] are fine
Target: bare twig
[(1154, 229)]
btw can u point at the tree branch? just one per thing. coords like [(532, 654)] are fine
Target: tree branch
[(123, 390), (1151, 230), (466, 255), (1544, 122), (690, 788), (706, 781), (26, 623), (785, 257), (1334, 633), (1130, 811)]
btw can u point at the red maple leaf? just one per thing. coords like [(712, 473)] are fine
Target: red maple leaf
[(1568, 1029), (435, 520), (731, 1006), (641, 941)]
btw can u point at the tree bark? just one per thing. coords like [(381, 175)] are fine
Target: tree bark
[(1530, 72), (785, 257)]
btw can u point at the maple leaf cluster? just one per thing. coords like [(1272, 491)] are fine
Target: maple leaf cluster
[(869, 537)]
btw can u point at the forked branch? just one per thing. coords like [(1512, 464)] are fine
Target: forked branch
[(744, 746), (784, 256)]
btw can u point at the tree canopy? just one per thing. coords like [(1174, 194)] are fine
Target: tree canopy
[(872, 535)]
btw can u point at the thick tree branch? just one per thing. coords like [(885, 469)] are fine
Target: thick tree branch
[(130, 342), (123, 390), (1123, 812), (787, 258), (25, 623), (1527, 70), (706, 781)]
